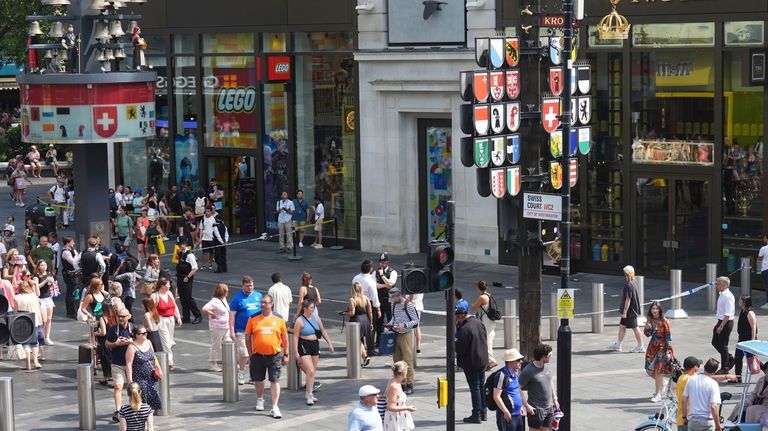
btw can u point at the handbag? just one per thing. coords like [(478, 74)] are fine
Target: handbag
[(17, 352), (387, 343), (156, 373), (160, 244), (175, 255), (754, 364)]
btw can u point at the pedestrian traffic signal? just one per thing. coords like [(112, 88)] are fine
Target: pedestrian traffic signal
[(414, 280), (439, 264)]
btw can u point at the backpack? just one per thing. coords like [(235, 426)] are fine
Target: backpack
[(490, 385), (492, 312)]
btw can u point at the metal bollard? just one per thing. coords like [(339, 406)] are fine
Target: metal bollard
[(598, 307), (510, 323), (675, 287), (746, 273), (229, 372), (165, 385), (86, 397), (640, 283), (6, 404), (294, 375), (553, 320), (353, 350), (711, 291)]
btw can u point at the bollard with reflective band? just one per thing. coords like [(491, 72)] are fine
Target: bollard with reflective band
[(746, 273), (675, 287), (442, 392), (294, 375), (554, 322), (598, 307), (86, 397), (711, 291), (165, 385), (6, 404), (353, 350), (229, 372), (640, 283), (510, 323)]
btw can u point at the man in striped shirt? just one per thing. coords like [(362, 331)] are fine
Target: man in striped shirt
[(404, 320)]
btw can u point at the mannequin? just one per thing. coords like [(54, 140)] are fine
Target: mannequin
[(139, 45)]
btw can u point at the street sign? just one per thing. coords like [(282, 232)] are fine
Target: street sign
[(543, 206), (565, 303)]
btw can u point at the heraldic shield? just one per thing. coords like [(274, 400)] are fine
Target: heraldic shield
[(556, 175), (512, 51), (498, 183), (481, 51), (513, 180), (556, 143), (584, 76), (550, 113), (513, 148), (497, 85), (513, 116), (574, 110), (585, 109), (497, 150), (481, 119), (573, 81), (482, 152), (480, 86), (556, 80), (555, 50), (497, 118), (497, 53), (573, 144), (573, 172), (513, 84), (585, 139), (465, 85)]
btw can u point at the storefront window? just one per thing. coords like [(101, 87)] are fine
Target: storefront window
[(187, 106), (228, 43), (324, 41), (594, 40), (325, 124), (159, 148), (135, 164), (275, 141), (742, 225), (183, 43), (744, 33), (693, 34), (230, 101), (273, 42)]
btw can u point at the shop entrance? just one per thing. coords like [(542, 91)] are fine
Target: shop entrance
[(237, 178), (672, 219)]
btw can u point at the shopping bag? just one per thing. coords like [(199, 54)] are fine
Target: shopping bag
[(754, 365), (160, 244), (387, 343), (175, 256)]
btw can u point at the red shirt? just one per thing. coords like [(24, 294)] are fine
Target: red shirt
[(166, 308)]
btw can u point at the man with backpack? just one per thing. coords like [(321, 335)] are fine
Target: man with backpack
[(503, 388), (185, 272), (472, 357), (220, 240)]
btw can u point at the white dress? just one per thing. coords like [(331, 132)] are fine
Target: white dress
[(399, 421), (490, 329)]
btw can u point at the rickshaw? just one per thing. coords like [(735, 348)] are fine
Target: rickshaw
[(666, 418)]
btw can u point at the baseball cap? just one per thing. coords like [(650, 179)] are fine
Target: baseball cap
[(367, 390), (10, 228), (183, 240), (691, 362), (384, 257), (512, 355), (461, 310), (629, 269)]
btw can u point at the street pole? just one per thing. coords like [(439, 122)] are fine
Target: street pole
[(450, 328), (564, 332)]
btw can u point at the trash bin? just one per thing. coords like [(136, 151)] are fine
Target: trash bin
[(43, 222)]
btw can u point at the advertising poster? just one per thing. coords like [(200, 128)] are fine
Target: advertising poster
[(439, 179)]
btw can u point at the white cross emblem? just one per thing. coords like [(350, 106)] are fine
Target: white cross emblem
[(550, 117), (105, 121)]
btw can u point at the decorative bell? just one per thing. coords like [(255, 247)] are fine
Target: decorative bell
[(34, 29), (99, 5), (110, 55), (120, 53), (63, 55), (57, 30), (48, 54), (116, 29), (101, 31), (54, 2), (101, 56)]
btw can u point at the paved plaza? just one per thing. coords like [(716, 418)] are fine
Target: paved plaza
[(607, 386)]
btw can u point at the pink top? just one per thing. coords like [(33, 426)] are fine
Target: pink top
[(220, 319)]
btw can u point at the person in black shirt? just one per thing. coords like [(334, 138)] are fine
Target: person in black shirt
[(472, 357), (386, 278)]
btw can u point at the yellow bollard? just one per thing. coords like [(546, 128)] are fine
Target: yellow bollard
[(442, 392)]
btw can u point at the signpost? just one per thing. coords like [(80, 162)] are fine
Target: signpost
[(543, 206)]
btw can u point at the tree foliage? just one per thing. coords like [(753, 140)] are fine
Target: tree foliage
[(14, 28)]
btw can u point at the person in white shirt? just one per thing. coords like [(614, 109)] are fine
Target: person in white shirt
[(284, 211), (762, 260), (319, 209), (368, 281), (701, 400), (58, 196), (721, 333), (281, 297), (206, 227)]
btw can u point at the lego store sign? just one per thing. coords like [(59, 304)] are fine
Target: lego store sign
[(278, 68)]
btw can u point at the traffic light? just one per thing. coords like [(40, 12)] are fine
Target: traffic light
[(439, 264), (414, 280)]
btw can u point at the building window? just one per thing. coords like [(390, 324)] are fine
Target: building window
[(273, 42), (228, 43), (325, 125), (186, 106), (275, 147), (230, 101), (744, 33), (159, 149), (324, 41), (183, 43)]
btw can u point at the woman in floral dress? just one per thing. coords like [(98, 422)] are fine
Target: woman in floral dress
[(139, 362), (659, 354)]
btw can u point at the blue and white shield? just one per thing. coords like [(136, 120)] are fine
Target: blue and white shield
[(513, 148), (573, 144), (497, 53), (555, 50)]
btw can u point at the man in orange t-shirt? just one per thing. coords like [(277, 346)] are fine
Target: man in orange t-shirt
[(266, 339)]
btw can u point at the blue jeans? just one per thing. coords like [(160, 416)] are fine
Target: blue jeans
[(476, 380), (516, 424)]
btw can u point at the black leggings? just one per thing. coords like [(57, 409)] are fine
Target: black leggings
[(103, 353)]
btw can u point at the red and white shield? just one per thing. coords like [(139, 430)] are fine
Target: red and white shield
[(556, 80), (550, 113), (480, 86), (573, 172), (513, 83), (498, 182), (513, 180), (497, 85), (105, 120), (513, 116)]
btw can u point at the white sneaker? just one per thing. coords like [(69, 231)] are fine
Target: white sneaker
[(319, 246), (48, 342), (276, 412), (638, 349), (241, 381), (301, 245), (310, 400), (259, 404), (616, 346), (656, 398)]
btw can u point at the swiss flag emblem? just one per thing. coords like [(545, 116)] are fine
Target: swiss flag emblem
[(105, 120)]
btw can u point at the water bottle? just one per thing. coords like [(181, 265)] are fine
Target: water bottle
[(556, 416)]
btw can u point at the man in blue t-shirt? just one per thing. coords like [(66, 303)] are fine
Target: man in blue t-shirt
[(245, 304), (300, 207), (506, 394)]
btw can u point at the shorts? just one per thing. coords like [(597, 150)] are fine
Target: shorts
[(242, 351), (319, 225), (207, 245), (541, 419), (46, 302), (630, 322), (309, 347), (516, 424), (297, 223), (118, 374), (261, 365), (37, 337)]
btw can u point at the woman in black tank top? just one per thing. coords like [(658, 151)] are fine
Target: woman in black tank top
[(746, 328), (307, 291)]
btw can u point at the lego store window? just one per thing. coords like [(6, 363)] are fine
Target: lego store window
[(326, 146), (742, 155), (186, 107), (275, 146), (230, 101), (323, 41), (158, 149)]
